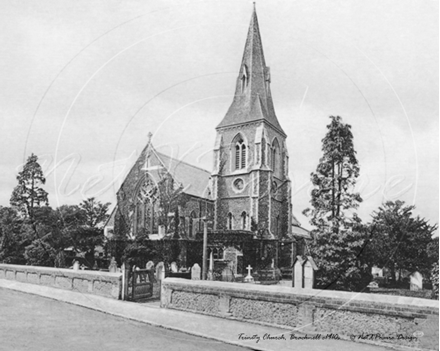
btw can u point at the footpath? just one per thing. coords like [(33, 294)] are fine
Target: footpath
[(249, 335)]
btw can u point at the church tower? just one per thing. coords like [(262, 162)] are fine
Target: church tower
[(251, 187)]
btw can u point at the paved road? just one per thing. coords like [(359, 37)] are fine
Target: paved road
[(30, 322)]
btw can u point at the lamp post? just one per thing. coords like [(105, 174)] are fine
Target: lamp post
[(205, 247)]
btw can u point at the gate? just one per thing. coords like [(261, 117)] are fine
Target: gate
[(137, 284)]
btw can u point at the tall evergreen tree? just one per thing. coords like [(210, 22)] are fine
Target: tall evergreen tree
[(333, 197), (28, 194), (339, 237)]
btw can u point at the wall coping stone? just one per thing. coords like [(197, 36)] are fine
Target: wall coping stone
[(61, 271)]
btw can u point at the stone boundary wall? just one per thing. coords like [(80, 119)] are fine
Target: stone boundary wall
[(89, 282), (396, 321)]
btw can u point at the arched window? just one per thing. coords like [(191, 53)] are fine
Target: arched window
[(275, 156), (240, 154), (229, 221), (243, 220), (263, 151)]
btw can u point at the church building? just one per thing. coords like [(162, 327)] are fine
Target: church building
[(246, 199)]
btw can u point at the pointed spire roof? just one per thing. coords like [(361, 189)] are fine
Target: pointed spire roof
[(252, 99)]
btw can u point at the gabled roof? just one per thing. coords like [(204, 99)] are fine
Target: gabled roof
[(195, 180), (253, 99)]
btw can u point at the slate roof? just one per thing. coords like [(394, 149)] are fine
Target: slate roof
[(195, 180), (253, 103)]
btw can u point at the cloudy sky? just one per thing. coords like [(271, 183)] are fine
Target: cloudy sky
[(84, 82)]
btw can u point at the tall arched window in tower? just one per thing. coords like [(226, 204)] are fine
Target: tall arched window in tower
[(275, 157), (243, 220), (229, 221), (240, 153)]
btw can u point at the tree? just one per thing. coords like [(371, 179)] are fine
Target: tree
[(87, 230), (28, 195), (13, 236), (47, 249), (339, 237), (333, 196), (401, 241), (95, 212)]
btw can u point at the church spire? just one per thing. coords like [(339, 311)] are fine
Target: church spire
[(252, 100)]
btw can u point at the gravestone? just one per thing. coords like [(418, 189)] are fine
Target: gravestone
[(416, 281), (210, 275), (309, 273), (174, 268), (298, 272), (113, 267), (150, 265), (249, 278), (195, 272), (76, 266), (228, 274), (160, 271)]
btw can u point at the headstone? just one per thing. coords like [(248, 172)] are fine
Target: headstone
[(149, 265), (196, 272), (113, 267), (174, 268), (309, 273), (228, 274), (298, 272), (249, 278), (210, 275), (76, 266), (160, 271), (416, 281)]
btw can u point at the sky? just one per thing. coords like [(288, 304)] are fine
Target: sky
[(84, 82)]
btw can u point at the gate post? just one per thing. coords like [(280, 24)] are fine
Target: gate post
[(125, 272)]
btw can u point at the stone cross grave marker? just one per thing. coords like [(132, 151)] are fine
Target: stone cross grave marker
[(196, 272), (249, 278)]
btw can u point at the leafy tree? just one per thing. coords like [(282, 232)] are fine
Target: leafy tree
[(433, 250), (87, 221), (95, 212), (339, 237), (28, 194), (401, 241), (47, 249), (14, 236)]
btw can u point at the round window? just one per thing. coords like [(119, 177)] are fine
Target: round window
[(238, 184)]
